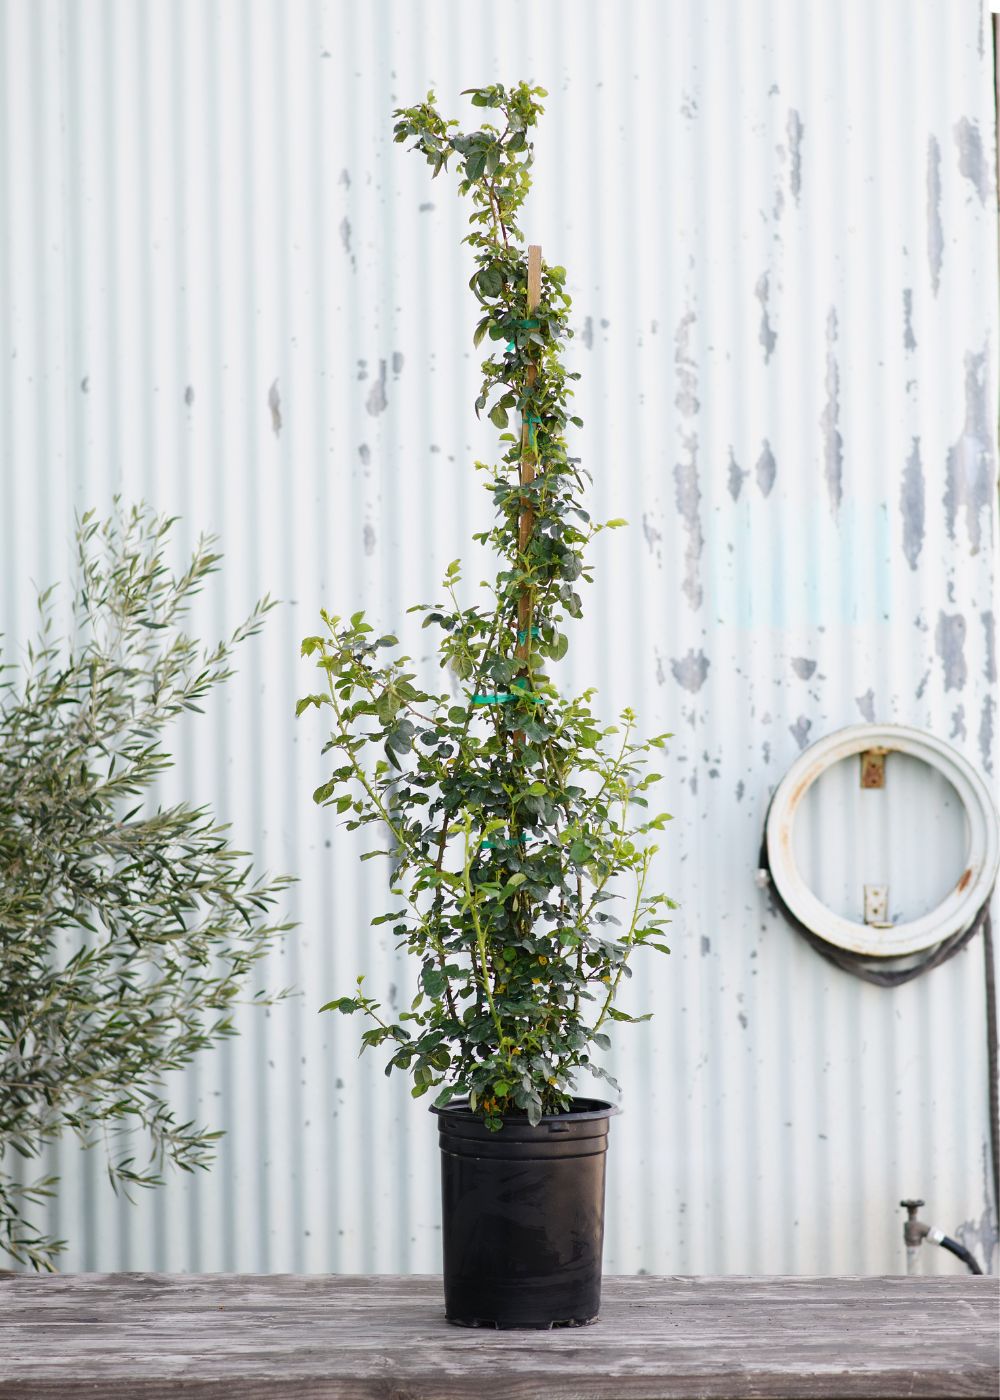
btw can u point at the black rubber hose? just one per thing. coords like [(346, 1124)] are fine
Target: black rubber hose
[(991, 1051), (960, 1252)]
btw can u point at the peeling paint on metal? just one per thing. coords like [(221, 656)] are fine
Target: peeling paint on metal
[(800, 730), (736, 478), (833, 442), (369, 538), (949, 641), (803, 667), (935, 232), (766, 334), (397, 362), (377, 402), (766, 469), (909, 339), (778, 207), (989, 645), (866, 705), (980, 1236), (958, 723), (189, 395), (688, 497), (706, 946), (971, 464), (653, 535), (345, 239), (687, 367), (274, 407), (691, 670), (687, 487), (365, 453), (972, 161), (587, 334), (986, 729), (796, 131), (912, 505)]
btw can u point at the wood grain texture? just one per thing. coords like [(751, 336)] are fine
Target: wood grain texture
[(157, 1336)]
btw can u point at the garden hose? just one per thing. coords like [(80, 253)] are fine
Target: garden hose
[(959, 1250), (867, 967)]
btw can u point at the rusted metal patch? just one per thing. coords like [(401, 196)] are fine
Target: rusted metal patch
[(873, 768)]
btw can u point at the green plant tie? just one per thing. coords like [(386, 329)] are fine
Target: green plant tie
[(503, 843), (525, 325), (531, 420), (504, 697), (522, 636)]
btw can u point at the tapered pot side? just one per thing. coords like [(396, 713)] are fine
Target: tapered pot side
[(523, 1216)]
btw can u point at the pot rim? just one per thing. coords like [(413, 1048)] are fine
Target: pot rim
[(599, 1108)]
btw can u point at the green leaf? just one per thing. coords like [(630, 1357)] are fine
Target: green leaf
[(434, 981)]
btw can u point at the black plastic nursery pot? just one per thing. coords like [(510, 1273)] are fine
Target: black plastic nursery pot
[(523, 1217)]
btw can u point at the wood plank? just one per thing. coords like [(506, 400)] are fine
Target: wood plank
[(155, 1337)]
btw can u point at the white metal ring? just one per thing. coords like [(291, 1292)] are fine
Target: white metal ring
[(956, 911)]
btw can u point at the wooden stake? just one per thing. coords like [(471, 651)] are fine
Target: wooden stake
[(529, 456)]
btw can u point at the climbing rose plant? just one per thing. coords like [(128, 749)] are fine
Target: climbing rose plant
[(515, 822)]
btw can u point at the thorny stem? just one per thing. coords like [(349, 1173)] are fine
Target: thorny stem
[(480, 931)]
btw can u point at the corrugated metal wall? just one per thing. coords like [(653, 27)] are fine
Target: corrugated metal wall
[(224, 290)]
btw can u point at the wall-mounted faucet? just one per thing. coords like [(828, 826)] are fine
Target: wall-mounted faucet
[(915, 1232)]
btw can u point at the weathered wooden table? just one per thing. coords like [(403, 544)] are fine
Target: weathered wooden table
[(154, 1336)]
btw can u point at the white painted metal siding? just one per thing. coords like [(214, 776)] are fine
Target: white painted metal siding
[(223, 289)]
